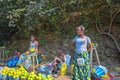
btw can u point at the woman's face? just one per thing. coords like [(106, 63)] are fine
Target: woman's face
[(59, 51), (79, 31), (32, 38)]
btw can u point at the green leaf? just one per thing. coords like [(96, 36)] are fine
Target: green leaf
[(108, 1)]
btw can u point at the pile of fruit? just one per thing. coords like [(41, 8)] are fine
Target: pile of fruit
[(22, 73)]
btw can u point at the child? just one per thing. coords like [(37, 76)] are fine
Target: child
[(33, 45)]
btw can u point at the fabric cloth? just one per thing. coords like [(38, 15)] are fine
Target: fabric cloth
[(25, 60), (81, 43), (12, 62), (81, 72)]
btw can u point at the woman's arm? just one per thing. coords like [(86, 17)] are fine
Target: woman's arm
[(89, 46), (89, 43), (36, 47)]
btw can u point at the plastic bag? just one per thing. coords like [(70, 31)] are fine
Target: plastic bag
[(100, 70), (63, 69), (68, 57), (12, 62)]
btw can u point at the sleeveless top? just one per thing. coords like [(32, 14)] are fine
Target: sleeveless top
[(33, 44)]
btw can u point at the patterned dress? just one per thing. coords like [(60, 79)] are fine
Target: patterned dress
[(81, 72)]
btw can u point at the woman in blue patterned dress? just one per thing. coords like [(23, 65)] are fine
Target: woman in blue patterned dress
[(82, 44)]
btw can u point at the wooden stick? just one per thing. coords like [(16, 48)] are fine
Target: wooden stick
[(91, 59), (97, 57)]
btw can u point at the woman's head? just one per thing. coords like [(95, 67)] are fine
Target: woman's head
[(60, 51), (33, 38), (80, 30)]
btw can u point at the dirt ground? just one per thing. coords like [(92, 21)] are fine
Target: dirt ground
[(62, 78), (69, 78)]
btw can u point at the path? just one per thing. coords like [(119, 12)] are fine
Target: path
[(62, 78)]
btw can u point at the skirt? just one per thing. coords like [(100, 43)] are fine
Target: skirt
[(81, 72)]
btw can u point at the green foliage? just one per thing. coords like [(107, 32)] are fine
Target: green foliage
[(42, 38), (53, 16)]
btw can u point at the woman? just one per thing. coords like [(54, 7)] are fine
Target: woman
[(25, 58), (81, 68), (60, 56), (59, 59), (33, 45)]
